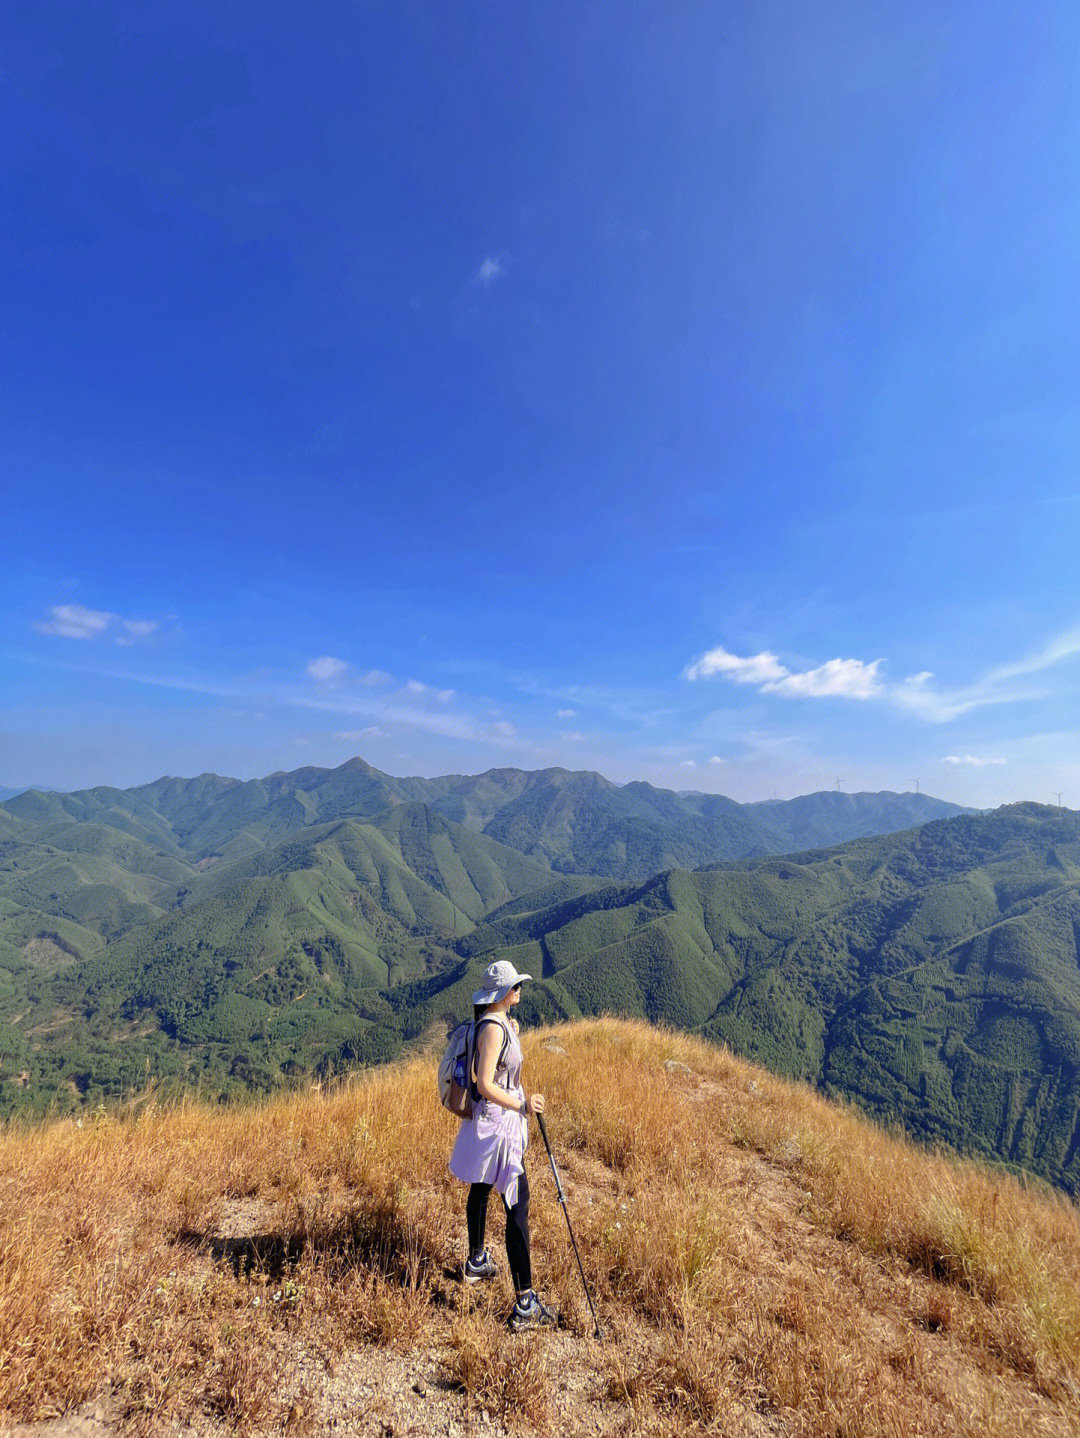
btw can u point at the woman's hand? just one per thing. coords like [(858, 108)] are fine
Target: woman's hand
[(534, 1103)]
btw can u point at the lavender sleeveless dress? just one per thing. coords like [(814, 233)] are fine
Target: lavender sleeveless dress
[(490, 1145)]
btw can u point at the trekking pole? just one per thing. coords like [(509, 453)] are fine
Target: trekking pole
[(562, 1201)]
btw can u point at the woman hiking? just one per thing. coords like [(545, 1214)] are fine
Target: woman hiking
[(490, 1148)]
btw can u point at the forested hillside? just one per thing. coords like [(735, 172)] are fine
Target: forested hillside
[(933, 976), (572, 822), (239, 937)]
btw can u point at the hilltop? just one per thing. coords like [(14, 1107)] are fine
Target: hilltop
[(765, 1263)]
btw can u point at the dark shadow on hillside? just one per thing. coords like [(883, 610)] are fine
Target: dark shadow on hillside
[(375, 1239), (268, 1253)]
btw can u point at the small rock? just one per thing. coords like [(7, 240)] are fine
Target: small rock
[(752, 1086), (553, 1048), (420, 1387), (673, 1066)]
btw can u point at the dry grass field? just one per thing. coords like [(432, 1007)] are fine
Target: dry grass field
[(764, 1263)]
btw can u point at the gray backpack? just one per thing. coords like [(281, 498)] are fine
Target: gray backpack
[(457, 1086)]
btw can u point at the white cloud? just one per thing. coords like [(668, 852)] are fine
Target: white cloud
[(374, 677), (75, 621), (760, 668), (504, 729), (686, 763), (419, 690), (573, 736), (566, 714), (972, 761), (326, 668), (716, 759), (72, 621), (354, 736), (838, 678), (1011, 683), (490, 270)]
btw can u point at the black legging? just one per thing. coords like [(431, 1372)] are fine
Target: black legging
[(517, 1229)]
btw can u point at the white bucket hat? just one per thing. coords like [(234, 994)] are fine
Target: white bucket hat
[(496, 982)]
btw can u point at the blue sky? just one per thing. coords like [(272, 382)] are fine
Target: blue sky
[(682, 391)]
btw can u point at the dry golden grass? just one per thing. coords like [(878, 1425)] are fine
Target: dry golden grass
[(763, 1261)]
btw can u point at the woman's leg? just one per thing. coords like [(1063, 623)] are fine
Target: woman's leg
[(476, 1217), (517, 1237)]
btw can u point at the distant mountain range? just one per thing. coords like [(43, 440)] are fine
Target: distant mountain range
[(237, 935), (573, 822)]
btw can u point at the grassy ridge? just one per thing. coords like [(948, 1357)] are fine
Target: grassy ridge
[(759, 1256)]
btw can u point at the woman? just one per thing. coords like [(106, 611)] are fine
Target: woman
[(490, 1148)]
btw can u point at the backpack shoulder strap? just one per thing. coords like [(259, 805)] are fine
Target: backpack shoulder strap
[(488, 1019)]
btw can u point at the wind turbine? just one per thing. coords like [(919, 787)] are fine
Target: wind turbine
[(839, 781), (916, 786), (1058, 793)]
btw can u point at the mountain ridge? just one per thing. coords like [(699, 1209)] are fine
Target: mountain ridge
[(575, 821)]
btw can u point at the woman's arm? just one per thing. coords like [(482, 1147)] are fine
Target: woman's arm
[(488, 1048)]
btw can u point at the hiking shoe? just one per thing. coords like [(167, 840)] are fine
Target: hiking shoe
[(477, 1268), (533, 1314)]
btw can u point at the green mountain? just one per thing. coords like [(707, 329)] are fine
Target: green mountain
[(258, 968), (573, 822), (236, 935), (932, 976), (818, 821)]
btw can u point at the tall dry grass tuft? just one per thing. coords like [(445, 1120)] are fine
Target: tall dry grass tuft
[(760, 1257), (501, 1375)]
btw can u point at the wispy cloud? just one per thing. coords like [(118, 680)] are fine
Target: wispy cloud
[(75, 621), (134, 630), (489, 271), (972, 761), (391, 711), (418, 690), (356, 736), (326, 669), (566, 713), (917, 694), (1004, 684), (72, 621)]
